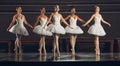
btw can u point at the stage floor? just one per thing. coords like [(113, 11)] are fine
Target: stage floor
[(65, 57)]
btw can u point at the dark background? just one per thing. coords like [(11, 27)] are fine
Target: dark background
[(110, 10)]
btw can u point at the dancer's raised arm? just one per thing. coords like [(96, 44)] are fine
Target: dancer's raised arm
[(89, 20)]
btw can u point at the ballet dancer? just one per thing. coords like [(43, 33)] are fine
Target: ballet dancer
[(56, 28), (96, 29), (76, 29), (19, 28), (38, 29)]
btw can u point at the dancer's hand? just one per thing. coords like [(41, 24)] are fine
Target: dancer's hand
[(70, 26), (84, 25), (109, 25), (31, 27), (7, 29), (43, 27), (88, 25)]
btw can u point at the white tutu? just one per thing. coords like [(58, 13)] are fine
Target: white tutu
[(39, 30), (56, 29), (19, 28), (75, 29), (97, 28)]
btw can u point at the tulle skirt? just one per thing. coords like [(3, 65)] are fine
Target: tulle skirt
[(75, 30), (96, 30), (42, 31), (21, 30)]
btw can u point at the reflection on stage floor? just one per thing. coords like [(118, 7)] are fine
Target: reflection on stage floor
[(65, 57)]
